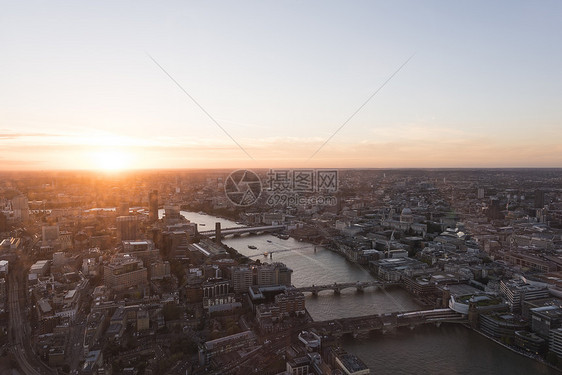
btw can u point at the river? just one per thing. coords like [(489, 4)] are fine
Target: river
[(448, 349)]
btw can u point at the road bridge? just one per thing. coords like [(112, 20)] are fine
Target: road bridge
[(338, 287), (237, 231)]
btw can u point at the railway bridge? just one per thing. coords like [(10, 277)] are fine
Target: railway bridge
[(363, 326)]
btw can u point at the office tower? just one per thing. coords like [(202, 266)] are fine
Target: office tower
[(480, 193), (539, 199), (241, 278), (20, 207), (128, 227)]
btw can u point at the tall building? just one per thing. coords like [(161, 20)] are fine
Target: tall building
[(172, 214), (128, 227), (3, 223), (273, 274), (283, 274), (20, 207), (153, 206), (265, 275), (539, 199), (480, 193), (241, 278)]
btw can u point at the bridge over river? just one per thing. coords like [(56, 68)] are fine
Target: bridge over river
[(338, 287), (237, 231), (364, 325)]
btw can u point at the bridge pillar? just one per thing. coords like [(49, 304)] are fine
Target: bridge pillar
[(315, 292), (359, 288), (337, 291), (437, 324), (388, 329)]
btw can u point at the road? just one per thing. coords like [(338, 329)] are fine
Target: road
[(18, 337)]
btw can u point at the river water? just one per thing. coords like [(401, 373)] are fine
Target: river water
[(448, 349)]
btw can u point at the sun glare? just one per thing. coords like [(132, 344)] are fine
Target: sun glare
[(111, 160)]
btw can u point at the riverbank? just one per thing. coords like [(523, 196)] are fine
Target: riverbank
[(517, 350)]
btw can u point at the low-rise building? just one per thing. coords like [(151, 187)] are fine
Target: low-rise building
[(226, 344), (40, 268), (517, 291), (351, 364), (501, 325), (124, 272), (544, 319)]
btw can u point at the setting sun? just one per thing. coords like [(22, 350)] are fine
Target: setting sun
[(111, 160)]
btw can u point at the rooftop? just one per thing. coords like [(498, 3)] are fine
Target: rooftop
[(352, 363)]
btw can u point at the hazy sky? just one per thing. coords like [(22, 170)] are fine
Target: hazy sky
[(77, 89)]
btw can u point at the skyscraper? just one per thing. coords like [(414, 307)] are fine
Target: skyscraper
[(539, 199), (153, 206), (20, 207), (480, 193), (128, 227), (123, 209)]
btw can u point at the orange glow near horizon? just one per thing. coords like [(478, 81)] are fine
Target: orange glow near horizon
[(111, 153), (111, 160)]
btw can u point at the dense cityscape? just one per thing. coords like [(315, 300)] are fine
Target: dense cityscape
[(280, 187), (102, 273)]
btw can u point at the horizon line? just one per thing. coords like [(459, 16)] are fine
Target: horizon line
[(134, 170)]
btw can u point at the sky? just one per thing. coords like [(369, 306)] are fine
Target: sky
[(79, 90)]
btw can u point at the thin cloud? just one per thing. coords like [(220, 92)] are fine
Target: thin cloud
[(24, 135)]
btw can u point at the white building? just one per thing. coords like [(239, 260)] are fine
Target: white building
[(4, 266), (555, 341)]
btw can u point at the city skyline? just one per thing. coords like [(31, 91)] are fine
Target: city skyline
[(79, 91)]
